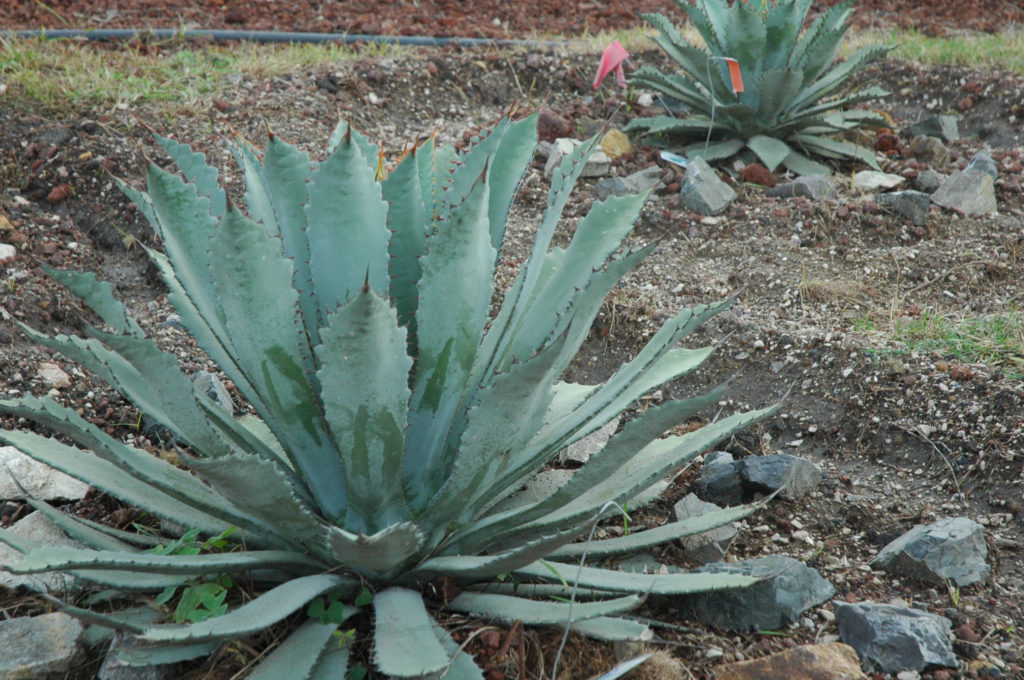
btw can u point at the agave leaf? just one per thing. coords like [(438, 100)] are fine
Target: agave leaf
[(286, 171), (100, 298), (257, 614), (260, 314), (652, 463), (566, 398), (139, 464), (111, 479), (598, 235), (365, 376), (836, 76), (302, 652), (626, 582), (711, 19), (193, 165), (203, 329), (821, 52), (508, 608), (486, 566), (409, 218), (747, 37), (717, 150), (461, 666), (455, 297), (139, 656), (257, 195), (403, 639), (503, 331), (78, 531), (802, 165), (777, 88), (185, 224), (639, 540), (63, 559), (333, 664), (833, 105), (613, 629), (508, 412), (146, 376), (770, 150), (266, 491), (694, 94), (347, 226), (379, 555), (782, 28), (247, 433), (831, 148)]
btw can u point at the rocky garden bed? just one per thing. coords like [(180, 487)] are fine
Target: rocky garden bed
[(881, 311)]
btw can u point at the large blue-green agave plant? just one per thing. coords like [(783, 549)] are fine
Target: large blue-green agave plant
[(394, 417)]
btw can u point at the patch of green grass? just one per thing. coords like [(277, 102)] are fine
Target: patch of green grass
[(996, 339), (1004, 50), (63, 75)]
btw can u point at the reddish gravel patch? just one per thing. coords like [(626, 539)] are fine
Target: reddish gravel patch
[(464, 18)]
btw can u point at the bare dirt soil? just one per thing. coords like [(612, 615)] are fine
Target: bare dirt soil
[(904, 434)]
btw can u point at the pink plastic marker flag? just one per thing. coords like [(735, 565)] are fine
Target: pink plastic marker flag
[(612, 60), (734, 75)]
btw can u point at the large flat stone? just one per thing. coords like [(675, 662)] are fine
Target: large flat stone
[(21, 475), (891, 638), (952, 549), (38, 529), (38, 646), (703, 190), (787, 588), (971, 192)]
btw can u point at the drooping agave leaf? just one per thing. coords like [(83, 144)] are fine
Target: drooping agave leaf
[(305, 651), (538, 613), (195, 168), (99, 296), (257, 614), (626, 582), (404, 642)]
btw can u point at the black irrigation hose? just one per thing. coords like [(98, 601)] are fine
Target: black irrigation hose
[(115, 34)]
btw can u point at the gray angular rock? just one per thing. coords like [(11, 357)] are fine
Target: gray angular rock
[(703, 190), (943, 126), (20, 475), (971, 192), (983, 161), (953, 548), (929, 180), (709, 546), (36, 528), (788, 588), (720, 480), (38, 646), (581, 451), (815, 187), (891, 638), (765, 474), (638, 182), (911, 204), (928, 150)]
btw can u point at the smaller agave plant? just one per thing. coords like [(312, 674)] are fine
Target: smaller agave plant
[(786, 111), (394, 417)]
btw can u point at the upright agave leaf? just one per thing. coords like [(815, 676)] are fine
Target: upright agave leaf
[(393, 415), (787, 108)]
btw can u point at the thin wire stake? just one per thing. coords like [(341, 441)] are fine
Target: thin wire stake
[(576, 582)]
